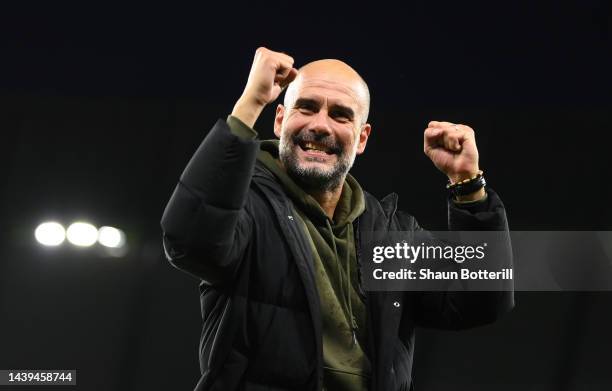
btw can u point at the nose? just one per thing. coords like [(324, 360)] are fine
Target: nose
[(320, 124)]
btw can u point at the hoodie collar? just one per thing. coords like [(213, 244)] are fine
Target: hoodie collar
[(350, 205)]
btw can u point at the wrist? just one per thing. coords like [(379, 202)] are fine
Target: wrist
[(462, 176), (475, 196), (467, 189), (247, 111)]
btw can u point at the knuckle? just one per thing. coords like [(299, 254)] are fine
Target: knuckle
[(467, 128), (284, 56)]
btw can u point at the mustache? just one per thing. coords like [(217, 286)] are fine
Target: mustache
[(324, 140)]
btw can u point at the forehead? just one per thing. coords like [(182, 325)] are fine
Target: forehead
[(336, 90)]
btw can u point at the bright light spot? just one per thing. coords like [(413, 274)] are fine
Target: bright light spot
[(111, 237), (50, 234), (82, 234)]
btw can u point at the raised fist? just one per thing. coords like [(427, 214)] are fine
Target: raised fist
[(452, 149), (270, 73)]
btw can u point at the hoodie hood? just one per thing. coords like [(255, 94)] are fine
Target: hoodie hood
[(350, 205)]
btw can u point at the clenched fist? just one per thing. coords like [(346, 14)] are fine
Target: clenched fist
[(270, 73), (452, 149)]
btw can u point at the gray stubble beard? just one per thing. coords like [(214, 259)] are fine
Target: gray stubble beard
[(313, 178)]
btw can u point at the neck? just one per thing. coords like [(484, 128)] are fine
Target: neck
[(328, 199)]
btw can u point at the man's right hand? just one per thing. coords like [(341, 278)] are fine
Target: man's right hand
[(270, 73)]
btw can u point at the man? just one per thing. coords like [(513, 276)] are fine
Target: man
[(273, 231)]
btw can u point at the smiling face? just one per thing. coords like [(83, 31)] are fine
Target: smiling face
[(322, 124)]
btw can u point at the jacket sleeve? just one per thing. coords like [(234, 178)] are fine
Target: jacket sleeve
[(464, 309), (206, 225)]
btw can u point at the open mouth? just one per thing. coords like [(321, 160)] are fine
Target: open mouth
[(309, 146)]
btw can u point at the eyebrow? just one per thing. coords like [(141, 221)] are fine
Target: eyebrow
[(344, 110)]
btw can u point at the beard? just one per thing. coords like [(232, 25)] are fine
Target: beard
[(315, 178)]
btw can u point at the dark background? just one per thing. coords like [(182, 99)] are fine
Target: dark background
[(101, 108)]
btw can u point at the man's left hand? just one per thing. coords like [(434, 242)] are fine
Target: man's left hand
[(452, 149)]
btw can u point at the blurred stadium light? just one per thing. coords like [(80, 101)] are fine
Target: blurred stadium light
[(50, 233), (111, 237), (82, 234)]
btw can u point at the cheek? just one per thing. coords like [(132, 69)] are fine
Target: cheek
[(287, 130), (349, 136), (293, 125), (299, 122)]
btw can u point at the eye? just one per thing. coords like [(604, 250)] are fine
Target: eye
[(340, 117), (306, 109)]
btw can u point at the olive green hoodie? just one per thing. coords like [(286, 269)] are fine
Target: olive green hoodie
[(346, 366)]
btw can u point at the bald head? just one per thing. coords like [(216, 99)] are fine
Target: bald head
[(331, 72)]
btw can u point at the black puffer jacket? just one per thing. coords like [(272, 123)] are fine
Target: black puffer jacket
[(230, 223)]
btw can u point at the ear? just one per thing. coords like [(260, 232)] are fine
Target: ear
[(363, 138), (278, 120)]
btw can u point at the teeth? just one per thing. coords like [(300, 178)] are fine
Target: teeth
[(313, 146)]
